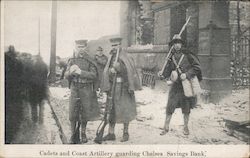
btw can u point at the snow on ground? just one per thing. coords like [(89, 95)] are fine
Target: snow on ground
[(206, 121)]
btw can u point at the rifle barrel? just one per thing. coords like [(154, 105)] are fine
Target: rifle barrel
[(99, 133), (184, 26), (170, 50)]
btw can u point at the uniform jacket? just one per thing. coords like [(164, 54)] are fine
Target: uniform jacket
[(101, 62), (85, 90), (124, 109), (190, 65), (134, 82)]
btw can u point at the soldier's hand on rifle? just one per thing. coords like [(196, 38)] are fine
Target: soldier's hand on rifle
[(160, 75), (183, 76), (117, 66), (112, 70)]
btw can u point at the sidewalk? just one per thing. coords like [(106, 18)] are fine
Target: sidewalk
[(30, 133)]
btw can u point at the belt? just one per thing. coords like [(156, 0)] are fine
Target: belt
[(82, 81), (119, 80)]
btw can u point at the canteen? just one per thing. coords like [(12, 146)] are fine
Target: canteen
[(187, 88), (174, 76), (169, 82), (195, 85)]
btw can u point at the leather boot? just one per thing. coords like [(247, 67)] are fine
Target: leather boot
[(186, 119), (83, 133), (166, 125), (111, 133), (74, 139), (34, 113), (41, 113), (125, 136)]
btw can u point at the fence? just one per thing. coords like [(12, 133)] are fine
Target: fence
[(148, 78), (240, 56)]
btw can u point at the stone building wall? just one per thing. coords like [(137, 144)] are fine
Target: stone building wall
[(162, 27)]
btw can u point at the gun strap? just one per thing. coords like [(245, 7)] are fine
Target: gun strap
[(179, 62)]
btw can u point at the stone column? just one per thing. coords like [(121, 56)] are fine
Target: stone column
[(147, 22), (193, 27), (178, 19), (128, 22), (214, 49)]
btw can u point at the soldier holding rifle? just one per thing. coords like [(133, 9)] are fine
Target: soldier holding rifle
[(101, 60), (181, 65), (121, 76), (83, 76)]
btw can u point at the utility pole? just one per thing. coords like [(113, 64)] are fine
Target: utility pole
[(39, 53), (52, 75)]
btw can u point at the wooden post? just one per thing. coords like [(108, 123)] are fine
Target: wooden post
[(52, 75)]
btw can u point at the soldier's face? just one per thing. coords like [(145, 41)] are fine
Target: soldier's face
[(99, 52), (80, 52), (113, 51), (12, 49), (177, 46), (115, 48)]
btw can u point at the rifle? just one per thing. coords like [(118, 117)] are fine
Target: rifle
[(170, 50), (70, 77), (108, 108), (76, 133)]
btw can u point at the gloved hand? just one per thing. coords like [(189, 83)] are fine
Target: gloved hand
[(160, 74), (112, 70), (183, 76), (74, 69), (117, 66)]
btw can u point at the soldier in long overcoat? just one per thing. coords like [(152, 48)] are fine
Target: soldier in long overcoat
[(101, 60), (82, 75), (126, 82), (190, 66)]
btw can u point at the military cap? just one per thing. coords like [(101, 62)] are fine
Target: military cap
[(176, 39), (81, 43), (99, 48), (115, 41)]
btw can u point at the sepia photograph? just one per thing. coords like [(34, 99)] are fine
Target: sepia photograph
[(125, 78)]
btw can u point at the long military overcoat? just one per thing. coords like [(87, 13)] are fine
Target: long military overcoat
[(190, 65), (124, 109), (101, 62), (85, 89)]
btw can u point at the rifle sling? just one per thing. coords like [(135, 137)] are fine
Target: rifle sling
[(179, 62)]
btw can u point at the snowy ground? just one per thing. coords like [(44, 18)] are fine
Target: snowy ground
[(206, 122)]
